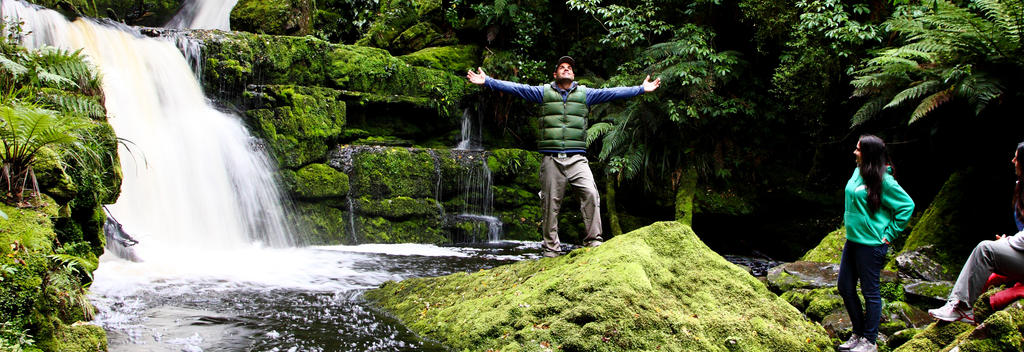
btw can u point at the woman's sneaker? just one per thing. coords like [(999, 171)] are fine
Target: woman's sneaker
[(953, 311), (851, 343)]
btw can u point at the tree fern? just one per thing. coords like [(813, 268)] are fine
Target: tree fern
[(930, 103), (949, 53)]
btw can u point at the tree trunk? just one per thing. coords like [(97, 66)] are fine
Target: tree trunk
[(609, 197), (685, 190)]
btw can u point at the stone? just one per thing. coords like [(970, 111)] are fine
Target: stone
[(631, 293), (838, 325), (919, 264), (281, 17), (934, 292), (829, 250), (801, 274)]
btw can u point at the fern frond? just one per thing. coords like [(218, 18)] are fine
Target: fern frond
[(15, 69), (867, 111), (75, 104), (913, 93), (930, 103), (597, 130)]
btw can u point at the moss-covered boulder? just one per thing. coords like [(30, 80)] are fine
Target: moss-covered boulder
[(235, 60), (41, 288), (283, 17), (455, 58), (317, 181), (829, 250), (405, 26), (297, 122), (952, 220), (394, 172), (632, 293)]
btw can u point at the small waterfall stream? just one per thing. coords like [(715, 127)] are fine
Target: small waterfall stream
[(477, 183)]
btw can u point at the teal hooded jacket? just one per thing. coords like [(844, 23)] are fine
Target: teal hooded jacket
[(875, 228)]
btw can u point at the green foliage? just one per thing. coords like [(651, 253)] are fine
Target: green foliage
[(24, 130), (949, 53), (628, 23)]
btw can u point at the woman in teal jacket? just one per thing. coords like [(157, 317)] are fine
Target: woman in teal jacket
[(877, 210)]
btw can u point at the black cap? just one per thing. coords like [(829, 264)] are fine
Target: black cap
[(562, 59)]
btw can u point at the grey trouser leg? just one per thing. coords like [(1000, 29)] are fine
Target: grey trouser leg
[(555, 173), (988, 257)]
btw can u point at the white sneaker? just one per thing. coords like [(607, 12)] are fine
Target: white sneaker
[(953, 311), (853, 341), (864, 346)]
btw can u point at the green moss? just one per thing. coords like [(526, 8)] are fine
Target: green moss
[(632, 293), (399, 207), (323, 223), (395, 18), (316, 181), (822, 305), (82, 338), (297, 122), (935, 337), (953, 212), (798, 298), (394, 172), (416, 230), (456, 58), (283, 17), (829, 250)]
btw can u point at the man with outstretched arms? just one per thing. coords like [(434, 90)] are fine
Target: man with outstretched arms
[(562, 139)]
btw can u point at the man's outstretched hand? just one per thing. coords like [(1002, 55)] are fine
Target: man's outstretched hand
[(476, 78), (648, 85)]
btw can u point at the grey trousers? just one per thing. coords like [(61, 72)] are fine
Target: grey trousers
[(988, 257), (555, 173)]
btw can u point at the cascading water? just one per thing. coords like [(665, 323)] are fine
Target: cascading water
[(479, 196), (204, 14), (192, 175)]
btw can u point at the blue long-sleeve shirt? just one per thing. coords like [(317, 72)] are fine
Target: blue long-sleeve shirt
[(536, 93)]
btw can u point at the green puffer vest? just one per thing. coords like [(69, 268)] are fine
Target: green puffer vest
[(563, 124)]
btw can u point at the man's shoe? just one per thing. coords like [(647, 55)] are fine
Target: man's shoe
[(865, 346), (851, 343), (593, 243), (953, 311), (551, 254)]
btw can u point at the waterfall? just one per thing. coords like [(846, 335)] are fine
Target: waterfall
[(204, 14), (477, 182), (193, 176)]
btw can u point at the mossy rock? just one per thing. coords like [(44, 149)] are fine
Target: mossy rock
[(297, 122), (955, 211), (515, 166), (282, 17), (415, 230), (396, 18), (394, 172), (830, 249), (455, 58), (81, 337), (935, 337), (821, 305), (317, 181), (399, 207), (324, 224), (631, 293)]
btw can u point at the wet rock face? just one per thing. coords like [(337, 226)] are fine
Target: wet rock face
[(631, 293), (803, 274), (920, 264)]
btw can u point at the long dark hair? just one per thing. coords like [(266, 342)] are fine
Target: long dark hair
[(1018, 190), (873, 161)]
